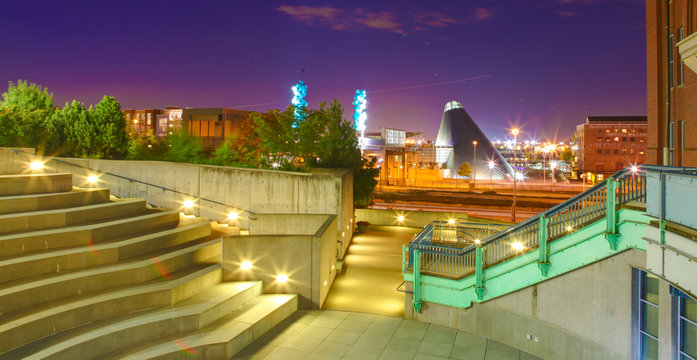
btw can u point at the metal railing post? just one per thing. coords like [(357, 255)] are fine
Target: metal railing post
[(479, 275), (611, 234), (416, 298), (543, 249), (404, 258)]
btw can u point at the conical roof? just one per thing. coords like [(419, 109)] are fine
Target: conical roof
[(457, 129)]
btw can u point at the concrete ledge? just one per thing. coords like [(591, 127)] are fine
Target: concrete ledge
[(30, 294), (189, 315), (47, 219), (227, 336), (43, 322), (35, 184), (82, 235), (37, 202)]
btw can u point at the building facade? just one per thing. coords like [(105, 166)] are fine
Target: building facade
[(212, 125), (606, 144), (142, 122), (671, 44)]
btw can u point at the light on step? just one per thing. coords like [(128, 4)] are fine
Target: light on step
[(188, 204), (282, 278), (92, 179), (36, 165), (233, 215), (246, 265)]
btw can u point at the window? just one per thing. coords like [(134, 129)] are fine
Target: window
[(599, 139), (619, 165), (600, 151), (648, 316), (624, 151), (607, 151), (687, 328), (632, 139), (607, 139), (681, 71), (607, 130), (617, 151), (624, 139), (624, 131), (671, 75), (617, 138)]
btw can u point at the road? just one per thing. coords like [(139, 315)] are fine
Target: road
[(521, 214)]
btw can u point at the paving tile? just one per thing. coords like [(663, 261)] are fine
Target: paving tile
[(327, 322), (403, 345), (410, 333), (498, 351), (298, 343), (288, 354), (434, 349), (465, 338), (387, 320), (322, 357), (468, 351), (371, 342), (334, 314), (273, 338), (414, 324), (359, 353), (353, 325), (361, 317), (394, 355), (439, 334), (331, 348), (314, 332), (428, 357), (287, 327), (344, 337), (257, 350), (526, 356), (380, 329)]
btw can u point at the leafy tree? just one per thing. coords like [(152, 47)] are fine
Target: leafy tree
[(24, 111), (182, 147), (71, 131), (146, 147), (242, 147), (109, 124), (465, 169)]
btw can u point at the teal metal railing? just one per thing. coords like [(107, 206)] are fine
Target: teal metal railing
[(440, 258)]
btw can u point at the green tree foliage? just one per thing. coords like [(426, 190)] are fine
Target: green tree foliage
[(109, 124), (182, 147), (24, 112), (242, 147), (146, 147), (465, 169), (71, 131)]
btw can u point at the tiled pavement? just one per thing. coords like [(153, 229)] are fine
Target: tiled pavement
[(351, 335)]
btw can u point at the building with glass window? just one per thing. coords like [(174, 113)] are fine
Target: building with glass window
[(606, 144), (671, 44), (142, 122)]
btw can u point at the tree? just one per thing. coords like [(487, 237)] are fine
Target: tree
[(465, 169), (109, 124), (182, 147), (24, 111), (146, 147), (71, 131), (242, 147)]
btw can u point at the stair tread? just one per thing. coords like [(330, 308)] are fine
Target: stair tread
[(196, 304)]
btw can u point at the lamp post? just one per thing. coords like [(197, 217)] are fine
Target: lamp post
[(492, 165), (515, 133), (474, 164)]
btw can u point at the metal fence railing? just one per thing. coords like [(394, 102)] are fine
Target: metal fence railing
[(450, 251)]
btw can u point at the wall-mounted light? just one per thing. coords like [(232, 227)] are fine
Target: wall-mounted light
[(233, 215), (92, 179), (36, 165), (246, 265), (517, 246), (451, 221), (188, 204), (400, 218), (282, 278)]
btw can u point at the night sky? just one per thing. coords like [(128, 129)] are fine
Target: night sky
[(541, 65)]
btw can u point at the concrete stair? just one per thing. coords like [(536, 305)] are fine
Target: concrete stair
[(83, 276)]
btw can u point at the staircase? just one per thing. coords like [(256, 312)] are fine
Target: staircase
[(84, 275)]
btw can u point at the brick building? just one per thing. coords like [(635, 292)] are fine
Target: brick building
[(672, 82), (610, 143), (142, 122), (211, 124)]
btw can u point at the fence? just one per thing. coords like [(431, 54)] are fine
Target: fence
[(481, 184)]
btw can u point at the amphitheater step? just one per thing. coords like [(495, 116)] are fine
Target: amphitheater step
[(51, 288), (223, 338), (38, 202), (49, 262), (96, 340), (88, 234), (35, 184), (48, 219), (42, 321)]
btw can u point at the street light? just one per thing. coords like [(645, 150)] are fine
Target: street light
[(492, 165), (474, 164), (515, 133)]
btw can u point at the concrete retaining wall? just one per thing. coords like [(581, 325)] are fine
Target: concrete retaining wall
[(417, 219), (15, 163), (584, 314), (309, 261)]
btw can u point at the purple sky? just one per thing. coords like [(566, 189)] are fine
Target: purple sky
[(544, 65)]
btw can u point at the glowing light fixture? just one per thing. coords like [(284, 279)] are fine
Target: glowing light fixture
[(400, 218), (282, 278), (451, 221), (233, 215), (477, 241), (188, 203), (569, 228), (246, 265), (634, 169), (36, 165), (92, 179), (517, 246), (299, 93)]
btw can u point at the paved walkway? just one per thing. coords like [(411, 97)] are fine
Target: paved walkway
[(372, 272), (317, 334)]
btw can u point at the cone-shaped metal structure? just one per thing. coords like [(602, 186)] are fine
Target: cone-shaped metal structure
[(457, 129)]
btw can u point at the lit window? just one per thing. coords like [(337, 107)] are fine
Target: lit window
[(687, 328), (648, 316), (624, 131)]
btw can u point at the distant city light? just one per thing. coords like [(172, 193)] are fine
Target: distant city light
[(492, 164), (246, 265), (275, 165), (299, 93), (36, 165)]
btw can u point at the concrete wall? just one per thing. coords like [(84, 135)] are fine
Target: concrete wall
[(345, 211), (286, 224), (417, 219), (309, 261), (584, 314), (15, 163)]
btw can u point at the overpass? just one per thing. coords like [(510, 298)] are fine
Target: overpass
[(610, 273)]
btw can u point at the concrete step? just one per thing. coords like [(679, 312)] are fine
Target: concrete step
[(51, 288), (22, 328), (223, 338), (86, 234), (38, 202), (86, 255), (49, 219), (187, 316), (35, 184)]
